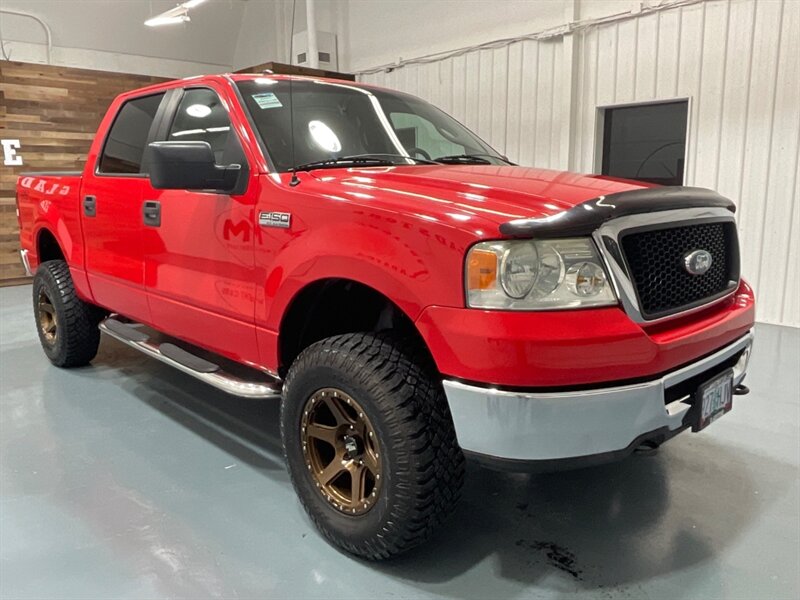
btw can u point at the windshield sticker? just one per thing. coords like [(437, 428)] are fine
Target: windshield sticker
[(266, 100)]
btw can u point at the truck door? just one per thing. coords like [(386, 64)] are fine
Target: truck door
[(199, 264), (111, 210)]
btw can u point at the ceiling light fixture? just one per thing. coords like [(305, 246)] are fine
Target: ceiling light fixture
[(198, 110), (179, 14), (157, 21)]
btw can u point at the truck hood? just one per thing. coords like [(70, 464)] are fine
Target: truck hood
[(497, 194)]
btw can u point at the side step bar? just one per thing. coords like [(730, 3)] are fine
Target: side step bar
[(189, 363)]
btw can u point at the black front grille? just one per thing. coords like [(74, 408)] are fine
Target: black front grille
[(655, 259)]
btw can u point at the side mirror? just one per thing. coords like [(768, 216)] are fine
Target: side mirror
[(189, 166)]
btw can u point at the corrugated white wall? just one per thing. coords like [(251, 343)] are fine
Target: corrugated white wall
[(738, 63), (509, 96)]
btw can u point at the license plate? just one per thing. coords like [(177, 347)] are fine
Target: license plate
[(714, 399)]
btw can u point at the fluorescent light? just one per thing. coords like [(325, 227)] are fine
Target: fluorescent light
[(198, 110), (179, 14), (198, 131), (188, 132), (324, 136), (160, 20)]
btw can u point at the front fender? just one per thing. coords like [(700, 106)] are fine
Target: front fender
[(407, 262)]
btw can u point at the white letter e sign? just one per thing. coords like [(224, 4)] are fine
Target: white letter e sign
[(10, 158)]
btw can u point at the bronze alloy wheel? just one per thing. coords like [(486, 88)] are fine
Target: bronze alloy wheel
[(48, 322), (65, 325), (374, 496), (341, 451)]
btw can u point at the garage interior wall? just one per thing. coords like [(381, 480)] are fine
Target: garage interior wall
[(223, 35), (539, 100), (737, 62), (123, 43)]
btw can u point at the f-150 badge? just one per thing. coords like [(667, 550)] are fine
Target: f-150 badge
[(275, 219)]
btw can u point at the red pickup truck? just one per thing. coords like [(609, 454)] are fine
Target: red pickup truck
[(410, 295)]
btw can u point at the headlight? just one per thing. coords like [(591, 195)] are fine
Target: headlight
[(536, 275)]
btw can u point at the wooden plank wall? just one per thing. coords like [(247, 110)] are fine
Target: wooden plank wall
[(284, 69), (54, 112)]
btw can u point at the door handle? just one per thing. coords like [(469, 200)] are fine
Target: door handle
[(151, 213), (90, 206)]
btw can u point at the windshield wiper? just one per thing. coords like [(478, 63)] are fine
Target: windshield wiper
[(474, 159), (370, 160), (401, 157)]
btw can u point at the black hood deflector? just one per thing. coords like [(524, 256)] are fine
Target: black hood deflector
[(585, 218)]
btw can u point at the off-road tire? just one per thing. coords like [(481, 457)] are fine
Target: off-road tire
[(77, 337), (398, 387)]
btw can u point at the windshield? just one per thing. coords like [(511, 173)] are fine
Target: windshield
[(333, 120)]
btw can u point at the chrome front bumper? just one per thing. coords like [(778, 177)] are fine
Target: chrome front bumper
[(520, 426)]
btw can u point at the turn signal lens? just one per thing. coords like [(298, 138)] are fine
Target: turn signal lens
[(481, 270)]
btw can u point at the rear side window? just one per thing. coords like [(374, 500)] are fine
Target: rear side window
[(127, 139)]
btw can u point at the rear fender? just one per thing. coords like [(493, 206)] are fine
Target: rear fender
[(51, 203)]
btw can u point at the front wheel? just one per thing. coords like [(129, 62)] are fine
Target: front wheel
[(66, 324), (370, 443)]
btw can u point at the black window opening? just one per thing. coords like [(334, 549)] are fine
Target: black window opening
[(125, 144), (646, 142)]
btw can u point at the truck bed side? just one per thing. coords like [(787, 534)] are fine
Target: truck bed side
[(48, 207)]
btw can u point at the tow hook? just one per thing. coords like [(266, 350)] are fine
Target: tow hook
[(741, 390), (647, 448)]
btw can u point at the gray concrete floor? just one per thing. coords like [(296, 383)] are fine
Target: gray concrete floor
[(127, 479)]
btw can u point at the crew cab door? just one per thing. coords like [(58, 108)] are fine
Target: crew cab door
[(199, 264), (111, 209)]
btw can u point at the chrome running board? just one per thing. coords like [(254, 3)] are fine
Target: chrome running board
[(189, 363)]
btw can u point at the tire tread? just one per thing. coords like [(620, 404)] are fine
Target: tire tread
[(398, 369), (78, 320)]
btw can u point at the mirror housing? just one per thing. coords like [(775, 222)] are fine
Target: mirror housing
[(190, 166)]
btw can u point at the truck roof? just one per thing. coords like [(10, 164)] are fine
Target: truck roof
[(227, 77)]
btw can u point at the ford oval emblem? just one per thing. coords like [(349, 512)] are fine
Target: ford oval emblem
[(697, 262)]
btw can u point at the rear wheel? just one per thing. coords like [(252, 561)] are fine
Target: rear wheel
[(370, 443), (67, 325)]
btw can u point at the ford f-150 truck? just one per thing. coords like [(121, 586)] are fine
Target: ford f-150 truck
[(409, 294)]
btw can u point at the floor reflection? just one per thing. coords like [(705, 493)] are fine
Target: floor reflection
[(127, 478)]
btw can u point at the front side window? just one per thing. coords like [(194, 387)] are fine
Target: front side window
[(125, 144), (333, 120), (201, 117)]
